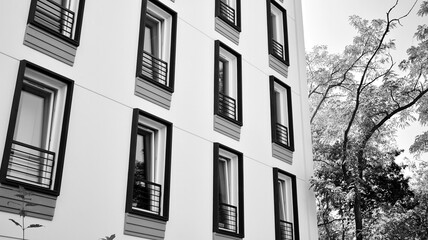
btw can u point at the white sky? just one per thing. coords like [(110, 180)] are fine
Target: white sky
[(326, 22)]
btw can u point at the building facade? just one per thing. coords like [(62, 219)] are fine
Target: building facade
[(155, 119)]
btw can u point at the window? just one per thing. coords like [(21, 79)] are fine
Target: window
[(285, 204), (277, 31), (227, 83), (149, 166), (230, 12), (228, 209), (37, 133), (62, 18), (281, 114), (156, 54)]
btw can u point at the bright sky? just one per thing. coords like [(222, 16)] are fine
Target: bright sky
[(326, 22)]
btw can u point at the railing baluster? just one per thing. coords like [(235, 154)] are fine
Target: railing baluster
[(227, 106), (147, 196), (278, 49), (31, 164), (227, 12), (55, 17), (281, 134), (286, 230), (228, 217), (154, 68)]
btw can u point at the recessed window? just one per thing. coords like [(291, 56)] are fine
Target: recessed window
[(36, 139), (54, 28), (230, 12), (285, 201), (281, 114), (149, 166), (228, 192), (277, 31), (227, 83), (156, 55), (63, 18)]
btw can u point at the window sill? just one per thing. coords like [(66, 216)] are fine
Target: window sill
[(223, 236), (227, 127), (144, 227), (152, 92), (282, 153), (44, 208), (278, 65), (228, 31), (49, 44)]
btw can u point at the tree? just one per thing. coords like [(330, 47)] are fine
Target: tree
[(358, 100)]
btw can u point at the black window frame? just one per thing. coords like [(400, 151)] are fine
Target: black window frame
[(75, 41), (272, 81), (135, 128), (20, 86), (216, 185), (286, 53), (276, 172), (236, 24), (171, 61), (238, 112)]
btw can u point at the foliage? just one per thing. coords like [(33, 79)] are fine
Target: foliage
[(418, 55), (24, 203), (113, 236), (358, 101)]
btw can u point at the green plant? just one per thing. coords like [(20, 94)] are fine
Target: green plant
[(23, 204), (109, 238)]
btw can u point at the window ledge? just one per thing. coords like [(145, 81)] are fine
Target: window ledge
[(282, 153), (227, 127), (153, 93), (49, 44), (219, 236), (226, 30), (139, 226), (44, 208), (278, 65)]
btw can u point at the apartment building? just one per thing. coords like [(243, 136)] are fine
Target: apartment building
[(155, 119)]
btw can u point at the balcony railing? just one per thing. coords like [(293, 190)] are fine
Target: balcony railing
[(227, 12), (278, 49), (55, 17), (286, 230), (227, 217), (281, 134), (147, 196), (31, 165), (154, 68), (227, 106)]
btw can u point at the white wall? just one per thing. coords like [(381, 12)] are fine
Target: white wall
[(93, 194)]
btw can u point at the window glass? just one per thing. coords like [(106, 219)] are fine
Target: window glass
[(277, 24), (31, 120), (224, 195), (223, 76), (149, 163), (146, 192), (40, 113)]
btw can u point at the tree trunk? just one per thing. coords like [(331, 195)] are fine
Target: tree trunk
[(358, 215)]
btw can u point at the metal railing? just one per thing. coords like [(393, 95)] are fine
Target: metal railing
[(227, 217), (286, 230), (227, 106), (154, 68), (31, 164), (278, 49), (281, 134), (147, 196), (55, 17), (227, 12)]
